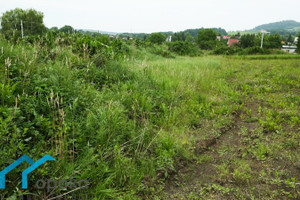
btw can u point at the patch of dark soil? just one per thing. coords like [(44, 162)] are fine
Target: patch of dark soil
[(230, 148), (201, 173), (203, 145)]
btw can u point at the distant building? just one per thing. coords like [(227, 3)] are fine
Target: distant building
[(219, 38), (296, 40), (232, 42), (263, 31), (226, 37), (169, 38), (289, 49)]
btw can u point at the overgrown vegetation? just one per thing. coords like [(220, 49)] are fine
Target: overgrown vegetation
[(103, 115), (127, 115), (256, 155)]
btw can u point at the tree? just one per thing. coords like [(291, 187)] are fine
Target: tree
[(207, 39), (54, 28), (157, 38), (220, 31), (179, 36), (189, 37), (31, 19), (290, 39), (67, 29), (183, 48), (237, 36), (247, 40), (272, 41)]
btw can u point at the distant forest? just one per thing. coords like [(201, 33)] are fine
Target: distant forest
[(176, 36), (287, 29)]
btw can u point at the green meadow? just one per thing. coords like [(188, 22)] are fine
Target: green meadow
[(138, 124)]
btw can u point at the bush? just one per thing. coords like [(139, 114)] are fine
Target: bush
[(157, 38), (207, 39), (272, 41), (247, 40), (159, 50), (119, 48), (255, 50), (100, 60), (183, 48), (225, 50)]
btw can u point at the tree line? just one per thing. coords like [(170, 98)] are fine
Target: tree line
[(205, 39)]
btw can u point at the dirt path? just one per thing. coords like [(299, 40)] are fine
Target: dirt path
[(235, 165)]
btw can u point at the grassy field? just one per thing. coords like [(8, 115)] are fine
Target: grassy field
[(147, 127), (246, 143)]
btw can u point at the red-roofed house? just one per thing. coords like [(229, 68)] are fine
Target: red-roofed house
[(231, 42), (226, 37)]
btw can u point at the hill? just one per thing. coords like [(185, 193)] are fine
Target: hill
[(284, 28), (282, 25)]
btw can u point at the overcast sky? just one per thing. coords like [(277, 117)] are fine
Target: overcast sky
[(159, 15)]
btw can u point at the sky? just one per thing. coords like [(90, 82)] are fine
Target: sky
[(158, 15)]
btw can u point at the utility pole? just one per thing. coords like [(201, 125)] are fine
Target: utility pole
[(262, 40), (262, 37), (22, 29)]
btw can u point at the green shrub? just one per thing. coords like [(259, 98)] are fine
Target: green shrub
[(254, 50), (225, 50), (160, 50), (184, 48), (156, 38), (207, 39)]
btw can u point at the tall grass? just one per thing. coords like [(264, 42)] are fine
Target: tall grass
[(115, 122), (112, 125)]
